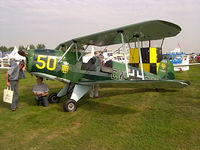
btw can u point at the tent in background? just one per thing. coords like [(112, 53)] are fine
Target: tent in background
[(15, 56)]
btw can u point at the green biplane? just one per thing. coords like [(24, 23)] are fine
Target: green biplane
[(65, 63)]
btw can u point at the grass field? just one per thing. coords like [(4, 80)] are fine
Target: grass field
[(122, 119)]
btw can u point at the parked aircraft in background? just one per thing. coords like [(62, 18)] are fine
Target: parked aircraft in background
[(180, 60)]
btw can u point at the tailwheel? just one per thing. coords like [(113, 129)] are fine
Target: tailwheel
[(53, 98), (70, 105)]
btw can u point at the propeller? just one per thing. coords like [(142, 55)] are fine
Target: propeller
[(23, 53)]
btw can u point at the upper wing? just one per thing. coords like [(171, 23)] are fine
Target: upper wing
[(149, 30), (140, 83)]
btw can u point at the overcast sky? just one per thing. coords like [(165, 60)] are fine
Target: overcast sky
[(52, 22)]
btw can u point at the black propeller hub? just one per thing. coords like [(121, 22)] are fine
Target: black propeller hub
[(23, 53)]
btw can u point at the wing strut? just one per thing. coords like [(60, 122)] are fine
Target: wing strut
[(140, 57), (76, 47), (124, 49), (83, 53), (66, 52)]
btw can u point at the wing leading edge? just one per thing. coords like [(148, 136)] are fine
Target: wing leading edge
[(149, 30)]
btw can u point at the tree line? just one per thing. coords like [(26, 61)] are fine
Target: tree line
[(21, 47)]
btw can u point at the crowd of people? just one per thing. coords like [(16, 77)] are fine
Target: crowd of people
[(198, 59), (195, 58)]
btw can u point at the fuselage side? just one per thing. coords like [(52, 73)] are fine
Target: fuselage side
[(46, 63)]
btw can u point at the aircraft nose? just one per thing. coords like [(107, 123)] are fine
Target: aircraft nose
[(23, 53)]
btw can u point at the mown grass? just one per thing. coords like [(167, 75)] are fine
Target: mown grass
[(136, 119)]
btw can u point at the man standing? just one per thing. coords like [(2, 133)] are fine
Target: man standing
[(13, 75), (99, 62), (94, 91), (40, 90)]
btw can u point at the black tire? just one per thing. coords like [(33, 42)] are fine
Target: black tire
[(53, 98), (70, 105)]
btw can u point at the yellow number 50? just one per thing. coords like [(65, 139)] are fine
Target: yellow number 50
[(43, 63), (48, 64)]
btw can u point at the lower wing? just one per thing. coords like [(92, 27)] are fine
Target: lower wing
[(192, 64), (140, 83)]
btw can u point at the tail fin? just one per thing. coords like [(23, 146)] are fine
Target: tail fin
[(166, 70)]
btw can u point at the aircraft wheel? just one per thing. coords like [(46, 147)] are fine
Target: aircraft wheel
[(70, 105), (53, 98)]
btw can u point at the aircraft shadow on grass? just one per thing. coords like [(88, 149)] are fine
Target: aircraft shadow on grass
[(107, 109), (112, 109)]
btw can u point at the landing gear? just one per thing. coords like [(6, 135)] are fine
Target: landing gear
[(157, 90), (70, 105), (53, 98), (75, 90)]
